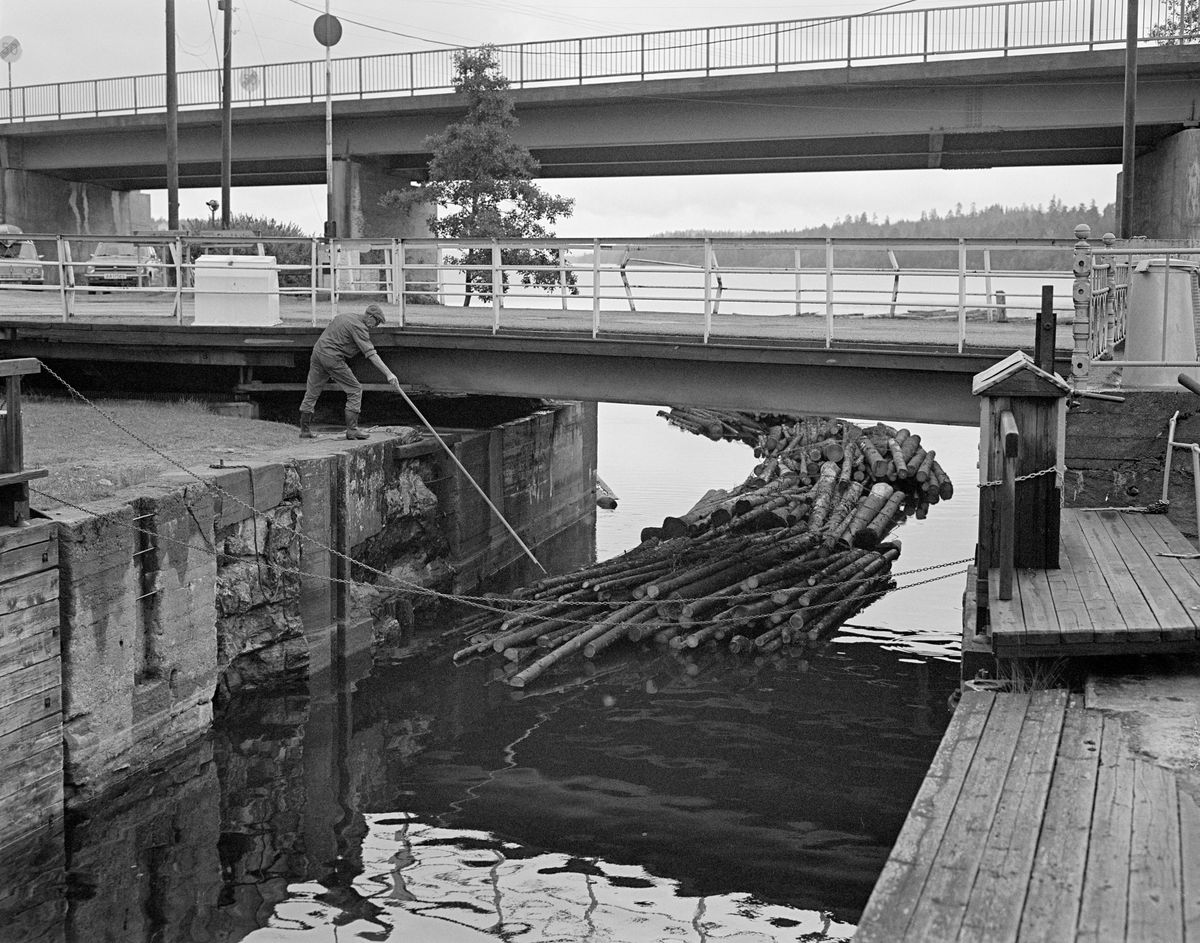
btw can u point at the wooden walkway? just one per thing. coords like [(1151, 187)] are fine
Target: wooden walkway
[(1037, 822), (1112, 594)]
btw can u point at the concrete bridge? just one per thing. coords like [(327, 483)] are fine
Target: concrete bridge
[(1037, 82)]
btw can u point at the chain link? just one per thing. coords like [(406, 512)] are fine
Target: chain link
[(1036, 474)]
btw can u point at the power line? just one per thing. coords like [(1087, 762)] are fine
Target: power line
[(381, 29)]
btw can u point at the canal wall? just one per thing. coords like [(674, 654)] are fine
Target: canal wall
[(1116, 453), (176, 597)]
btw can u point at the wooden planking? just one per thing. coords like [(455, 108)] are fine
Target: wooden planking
[(18, 748), (1156, 535), (1140, 620), (17, 685), (889, 910), (40, 803), (1189, 848), (1102, 608), (994, 911), (29, 591), (1106, 877), (1074, 620), (1123, 530), (1155, 884), (1052, 904), (28, 636), (1006, 617), (32, 533), (31, 558), (1037, 605), (939, 912), (33, 708)]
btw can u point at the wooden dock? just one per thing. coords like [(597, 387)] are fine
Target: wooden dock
[(1113, 593), (1039, 822)]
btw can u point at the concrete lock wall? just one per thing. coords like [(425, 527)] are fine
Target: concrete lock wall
[(175, 592), (1116, 453)]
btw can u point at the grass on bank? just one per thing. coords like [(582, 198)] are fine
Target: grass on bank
[(90, 458)]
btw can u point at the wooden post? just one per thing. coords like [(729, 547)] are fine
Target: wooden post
[(1081, 295), (1010, 440), (1043, 341), (14, 479)]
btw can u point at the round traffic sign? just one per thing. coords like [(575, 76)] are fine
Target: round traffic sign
[(10, 48), (327, 29)]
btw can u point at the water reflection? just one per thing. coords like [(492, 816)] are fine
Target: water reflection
[(652, 795)]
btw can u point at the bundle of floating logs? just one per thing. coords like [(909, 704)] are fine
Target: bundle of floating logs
[(782, 559)]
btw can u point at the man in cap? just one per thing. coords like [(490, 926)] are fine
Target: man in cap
[(348, 336)]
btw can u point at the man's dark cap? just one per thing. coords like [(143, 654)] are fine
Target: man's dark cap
[(376, 312)]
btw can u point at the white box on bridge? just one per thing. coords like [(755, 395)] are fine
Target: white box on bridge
[(236, 290)]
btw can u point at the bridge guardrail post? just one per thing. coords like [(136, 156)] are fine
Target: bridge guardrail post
[(708, 266), (497, 285), (399, 279), (562, 276), (177, 251), (62, 278), (312, 280), (962, 294), (595, 288), (1081, 296), (828, 292), (799, 296)]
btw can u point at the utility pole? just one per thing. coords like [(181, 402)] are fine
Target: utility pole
[(1128, 140), (227, 113), (172, 124), (330, 224)]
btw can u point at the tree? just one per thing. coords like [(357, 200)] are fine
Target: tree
[(480, 179), (296, 250), (1181, 25)]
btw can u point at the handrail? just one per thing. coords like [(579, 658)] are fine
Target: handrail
[(1000, 29), (660, 278)]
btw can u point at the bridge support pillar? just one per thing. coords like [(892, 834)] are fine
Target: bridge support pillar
[(38, 203), (1166, 189), (357, 188)]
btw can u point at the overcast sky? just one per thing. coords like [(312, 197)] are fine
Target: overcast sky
[(66, 40)]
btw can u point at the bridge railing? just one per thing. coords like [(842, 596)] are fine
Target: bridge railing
[(986, 29), (944, 293)]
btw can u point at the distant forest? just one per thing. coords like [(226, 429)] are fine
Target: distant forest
[(1055, 221)]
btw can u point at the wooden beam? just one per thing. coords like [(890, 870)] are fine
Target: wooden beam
[(20, 366)]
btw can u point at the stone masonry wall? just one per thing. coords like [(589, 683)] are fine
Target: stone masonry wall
[(1116, 452)]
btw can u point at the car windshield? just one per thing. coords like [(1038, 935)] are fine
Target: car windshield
[(124, 249), (17, 250)]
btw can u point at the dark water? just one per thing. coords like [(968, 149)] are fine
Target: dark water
[(649, 796)]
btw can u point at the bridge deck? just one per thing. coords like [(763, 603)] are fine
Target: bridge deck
[(1038, 820), (1113, 593)]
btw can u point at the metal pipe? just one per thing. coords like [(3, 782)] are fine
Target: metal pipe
[(172, 123), (227, 114), (1128, 141)]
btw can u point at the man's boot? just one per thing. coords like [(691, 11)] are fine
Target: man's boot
[(306, 425), (352, 430)]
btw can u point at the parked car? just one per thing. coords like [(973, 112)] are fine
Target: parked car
[(122, 263), (19, 259)]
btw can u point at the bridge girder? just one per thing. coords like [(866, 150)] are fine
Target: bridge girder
[(1044, 109)]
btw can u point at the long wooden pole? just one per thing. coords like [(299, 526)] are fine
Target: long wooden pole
[(449, 451)]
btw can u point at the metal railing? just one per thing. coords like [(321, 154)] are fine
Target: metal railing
[(814, 290), (1102, 279), (988, 29)]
